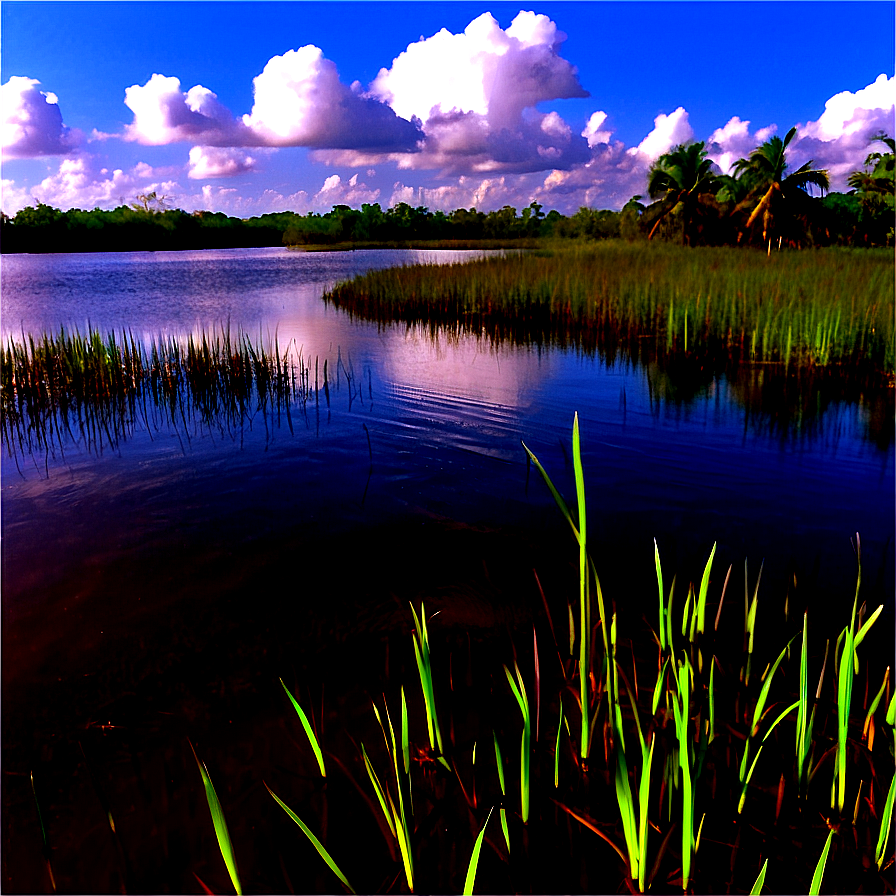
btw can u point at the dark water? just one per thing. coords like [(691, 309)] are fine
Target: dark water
[(140, 576)]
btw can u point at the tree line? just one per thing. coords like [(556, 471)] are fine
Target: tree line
[(761, 203)]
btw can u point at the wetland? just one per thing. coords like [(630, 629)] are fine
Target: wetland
[(227, 469)]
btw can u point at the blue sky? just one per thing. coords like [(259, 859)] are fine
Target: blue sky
[(440, 104)]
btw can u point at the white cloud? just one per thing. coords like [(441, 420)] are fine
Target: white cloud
[(209, 161), (864, 111), (336, 191), (32, 122), (476, 95), (668, 131), (592, 133), (299, 101), (164, 114), (79, 183)]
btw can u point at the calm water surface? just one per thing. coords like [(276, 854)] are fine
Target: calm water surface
[(161, 584), (416, 425)]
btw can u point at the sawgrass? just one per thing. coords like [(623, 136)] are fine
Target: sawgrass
[(797, 309)]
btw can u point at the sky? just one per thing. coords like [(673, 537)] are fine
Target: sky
[(255, 107)]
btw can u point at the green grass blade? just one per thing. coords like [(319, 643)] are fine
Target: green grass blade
[(474, 858), (405, 747), (627, 811), (886, 820), (844, 699), (643, 804), (760, 881), (526, 740), (314, 841), (556, 750), (584, 614), (659, 582), (378, 789), (766, 686), (868, 623), (220, 823), (704, 588), (815, 887), (308, 730)]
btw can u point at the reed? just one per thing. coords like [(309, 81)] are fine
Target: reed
[(98, 389)]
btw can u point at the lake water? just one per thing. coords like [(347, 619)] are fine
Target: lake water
[(391, 488)]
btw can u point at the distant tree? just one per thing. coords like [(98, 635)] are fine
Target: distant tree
[(875, 188), (150, 202)]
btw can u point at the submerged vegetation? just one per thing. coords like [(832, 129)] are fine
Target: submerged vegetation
[(719, 750)]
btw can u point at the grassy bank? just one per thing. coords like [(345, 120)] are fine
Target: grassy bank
[(803, 309)]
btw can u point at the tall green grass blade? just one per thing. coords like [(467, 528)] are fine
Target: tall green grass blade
[(643, 805), (886, 820), (627, 810), (405, 747), (220, 823), (378, 790), (704, 588), (308, 730), (556, 750), (659, 582), (815, 887), (474, 858), (314, 841), (760, 881), (844, 699), (584, 601), (424, 667), (526, 741)]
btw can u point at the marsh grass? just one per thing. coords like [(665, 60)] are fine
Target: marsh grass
[(96, 390), (796, 309), (704, 760)]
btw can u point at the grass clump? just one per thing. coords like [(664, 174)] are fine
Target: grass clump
[(96, 390), (680, 760)]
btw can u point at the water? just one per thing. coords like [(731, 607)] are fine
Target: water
[(144, 566), (440, 422)]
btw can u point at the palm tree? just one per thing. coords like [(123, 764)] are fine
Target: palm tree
[(771, 188), (875, 187), (878, 180), (681, 177)]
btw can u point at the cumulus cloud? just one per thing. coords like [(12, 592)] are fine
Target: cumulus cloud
[(81, 183), (475, 94), (299, 101), (484, 194), (209, 161), (32, 122), (164, 114), (336, 191), (668, 131), (593, 134)]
